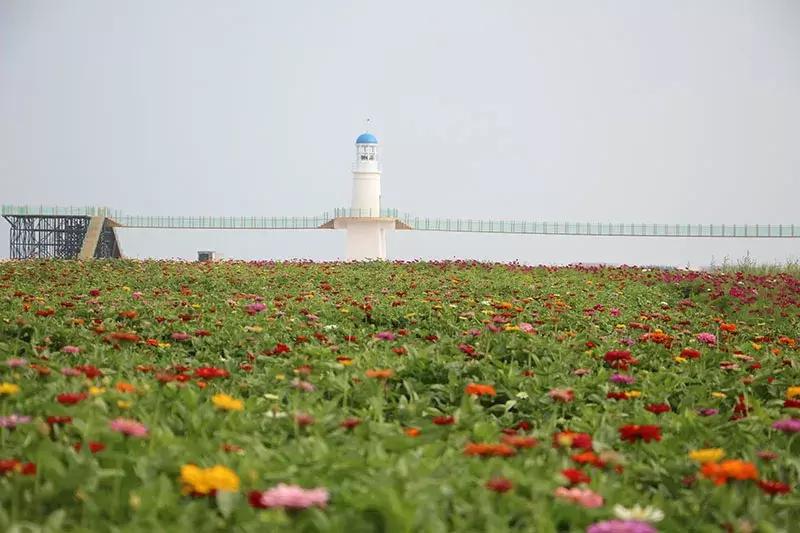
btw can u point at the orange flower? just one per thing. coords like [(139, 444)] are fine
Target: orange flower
[(412, 432), (730, 328), (480, 390), (489, 450), (720, 473), (123, 386), (520, 441), (378, 373)]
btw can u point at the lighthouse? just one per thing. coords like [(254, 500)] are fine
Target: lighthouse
[(365, 223)]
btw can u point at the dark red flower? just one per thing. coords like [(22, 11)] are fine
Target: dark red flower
[(774, 488), (89, 371), (350, 423), (54, 420), (254, 498), (690, 353), (94, 447), (793, 404), (443, 420), (499, 484), (647, 433), (658, 408), (617, 395)]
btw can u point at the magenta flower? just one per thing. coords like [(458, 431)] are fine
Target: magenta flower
[(385, 336), (71, 350), (622, 378), (790, 425), (707, 338), (126, 426), (257, 307), (16, 362), (290, 497), (627, 341), (12, 421), (621, 526)]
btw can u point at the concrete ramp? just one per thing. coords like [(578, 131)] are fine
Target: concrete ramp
[(92, 238)]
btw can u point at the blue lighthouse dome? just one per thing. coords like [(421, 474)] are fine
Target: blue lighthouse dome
[(366, 138)]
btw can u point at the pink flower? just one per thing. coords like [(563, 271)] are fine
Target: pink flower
[(71, 350), (128, 427), (584, 497), (385, 336), (181, 336), (561, 395), (622, 378), (526, 327), (137, 295), (289, 497), (708, 338), (790, 425), (71, 372), (252, 309), (16, 362), (614, 312)]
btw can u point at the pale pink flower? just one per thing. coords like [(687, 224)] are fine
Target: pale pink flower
[(71, 350), (181, 336), (71, 372), (584, 497), (293, 497), (614, 312), (526, 327), (304, 386), (137, 295), (16, 362), (129, 427)]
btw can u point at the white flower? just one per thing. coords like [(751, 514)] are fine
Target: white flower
[(330, 327), (637, 512), (522, 395)]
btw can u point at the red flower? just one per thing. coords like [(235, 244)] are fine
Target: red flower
[(71, 398), (210, 372), (588, 458), (499, 484), (443, 420), (690, 353), (575, 476), (94, 447), (647, 433), (54, 420), (774, 487), (620, 359), (795, 404), (571, 439), (280, 348), (350, 423), (467, 349), (89, 371), (617, 396), (658, 408)]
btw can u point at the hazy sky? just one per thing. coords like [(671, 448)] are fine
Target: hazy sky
[(675, 112)]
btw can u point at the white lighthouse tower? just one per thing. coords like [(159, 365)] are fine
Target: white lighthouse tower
[(366, 225)]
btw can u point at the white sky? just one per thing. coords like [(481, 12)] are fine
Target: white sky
[(629, 111)]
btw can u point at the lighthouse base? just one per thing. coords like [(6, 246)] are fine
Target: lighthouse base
[(367, 239)]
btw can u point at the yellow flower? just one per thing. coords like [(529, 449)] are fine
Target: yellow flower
[(511, 327), (791, 392), (719, 395), (96, 391), (9, 389), (620, 327), (679, 359), (228, 403), (198, 480), (707, 455), (164, 345), (254, 329), (755, 346), (280, 377), (122, 404), (126, 288), (633, 393)]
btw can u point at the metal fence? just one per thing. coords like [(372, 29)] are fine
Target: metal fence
[(423, 224)]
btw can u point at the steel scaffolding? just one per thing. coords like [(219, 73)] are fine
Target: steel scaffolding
[(56, 237)]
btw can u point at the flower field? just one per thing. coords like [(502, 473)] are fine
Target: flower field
[(406, 397)]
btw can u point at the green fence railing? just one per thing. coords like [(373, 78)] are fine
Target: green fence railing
[(607, 229)]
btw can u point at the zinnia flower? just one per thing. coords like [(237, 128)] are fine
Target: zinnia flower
[(131, 428), (790, 425), (584, 497), (16, 362), (14, 420), (202, 481), (480, 390), (647, 433), (707, 338), (644, 514), (227, 403), (72, 350), (499, 484), (622, 378), (9, 389), (707, 455), (621, 526), (562, 395), (289, 497)]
